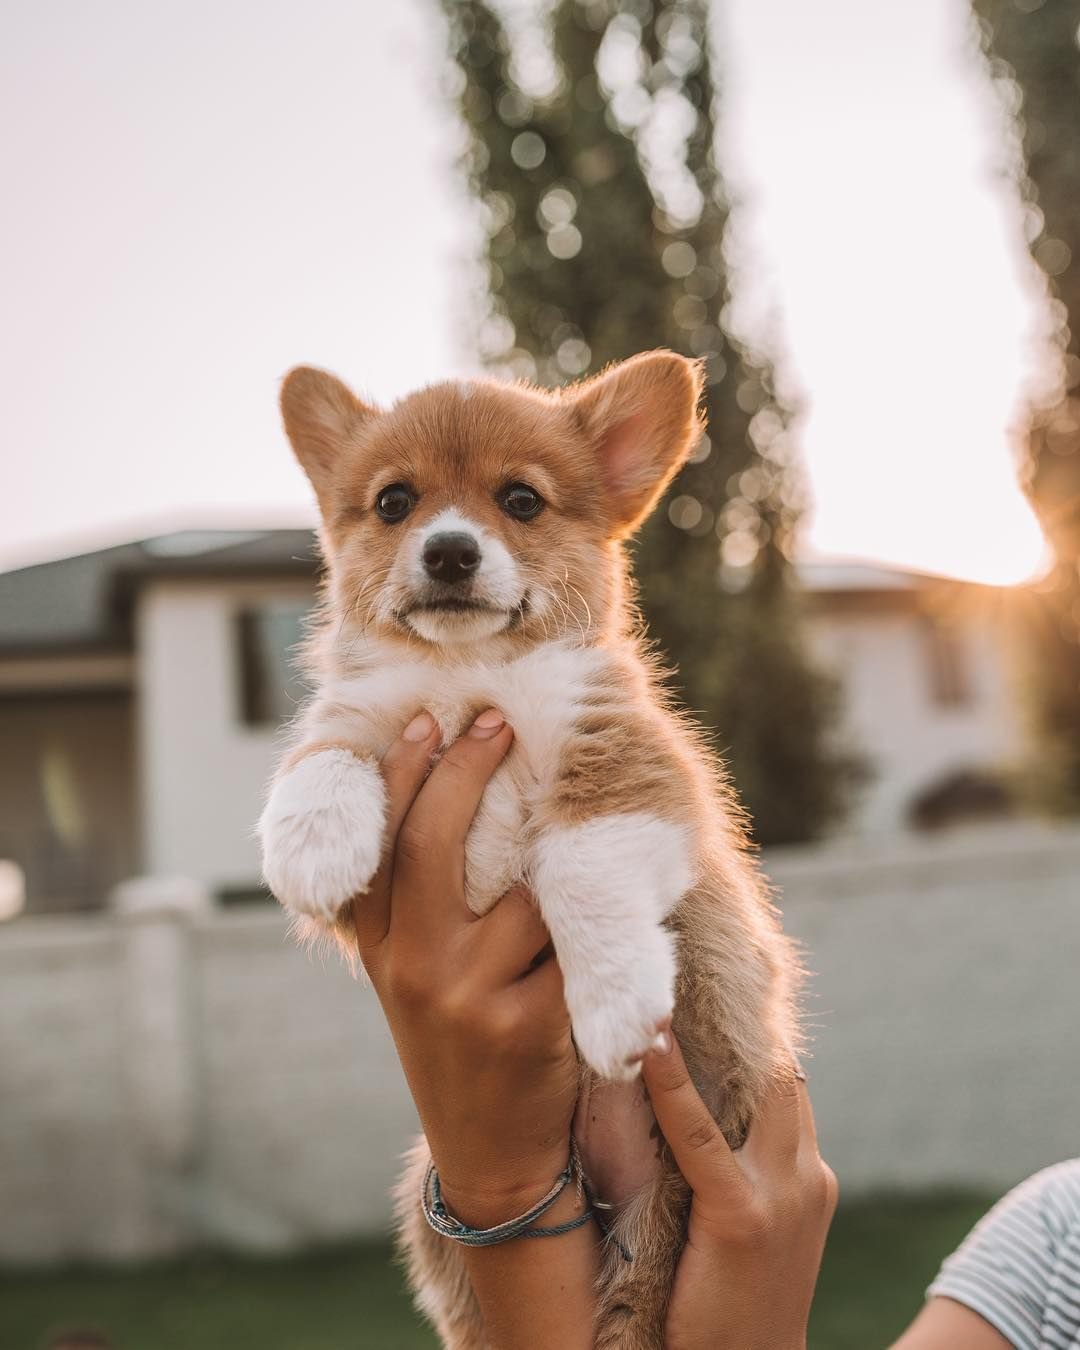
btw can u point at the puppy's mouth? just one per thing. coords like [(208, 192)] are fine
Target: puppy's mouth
[(440, 609), (452, 605)]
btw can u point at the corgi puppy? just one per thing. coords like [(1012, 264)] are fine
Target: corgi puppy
[(474, 540)]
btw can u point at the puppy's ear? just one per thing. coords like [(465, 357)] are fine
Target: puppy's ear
[(319, 413), (642, 418)]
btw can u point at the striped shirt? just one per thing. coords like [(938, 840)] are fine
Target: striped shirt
[(1019, 1268)]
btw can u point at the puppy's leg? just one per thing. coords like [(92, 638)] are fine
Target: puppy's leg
[(435, 1266), (635, 1293), (736, 994), (604, 888), (322, 829)]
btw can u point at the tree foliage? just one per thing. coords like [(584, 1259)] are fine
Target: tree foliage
[(1032, 46), (590, 153)]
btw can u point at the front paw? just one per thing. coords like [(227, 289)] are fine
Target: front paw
[(616, 1023), (322, 832)]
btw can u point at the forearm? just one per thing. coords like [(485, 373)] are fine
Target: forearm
[(946, 1325), (535, 1291)]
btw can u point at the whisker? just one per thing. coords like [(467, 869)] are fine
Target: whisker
[(375, 580), (588, 611)]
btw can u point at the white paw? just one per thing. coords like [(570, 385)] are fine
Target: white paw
[(616, 1021), (322, 832)]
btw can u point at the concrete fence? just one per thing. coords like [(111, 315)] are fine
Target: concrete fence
[(944, 1004), (171, 1074)]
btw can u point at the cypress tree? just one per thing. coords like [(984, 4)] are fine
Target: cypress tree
[(605, 221)]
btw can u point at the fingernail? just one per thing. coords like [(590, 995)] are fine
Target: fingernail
[(663, 1044), (420, 728), (488, 724)]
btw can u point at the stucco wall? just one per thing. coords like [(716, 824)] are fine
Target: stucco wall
[(169, 1078)]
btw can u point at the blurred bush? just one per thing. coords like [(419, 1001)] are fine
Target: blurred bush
[(1034, 58)]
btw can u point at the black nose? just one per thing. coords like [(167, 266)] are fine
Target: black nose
[(451, 557)]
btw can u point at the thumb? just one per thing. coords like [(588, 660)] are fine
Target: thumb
[(702, 1152)]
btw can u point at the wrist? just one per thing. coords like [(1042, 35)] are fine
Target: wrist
[(485, 1200), (513, 1281)]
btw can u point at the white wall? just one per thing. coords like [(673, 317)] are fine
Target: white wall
[(889, 713), (277, 1120), (305, 1111), (65, 1168), (174, 1080), (202, 772), (944, 1003)]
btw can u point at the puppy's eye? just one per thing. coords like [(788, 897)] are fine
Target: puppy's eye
[(394, 503), (521, 501)]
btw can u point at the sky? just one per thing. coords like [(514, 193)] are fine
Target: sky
[(199, 196)]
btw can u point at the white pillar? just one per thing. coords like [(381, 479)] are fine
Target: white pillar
[(160, 1068)]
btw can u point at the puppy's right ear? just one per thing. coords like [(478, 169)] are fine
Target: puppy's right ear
[(319, 413)]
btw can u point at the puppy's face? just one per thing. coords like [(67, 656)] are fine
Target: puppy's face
[(475, 512)]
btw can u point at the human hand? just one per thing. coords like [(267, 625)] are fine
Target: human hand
[(758, 1219), (475, 1005)]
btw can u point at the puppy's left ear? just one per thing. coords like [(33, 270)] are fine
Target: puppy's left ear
[(320, 413), (642, 418)]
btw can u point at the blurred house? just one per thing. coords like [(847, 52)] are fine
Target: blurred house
[(141, 688), (929, 672)]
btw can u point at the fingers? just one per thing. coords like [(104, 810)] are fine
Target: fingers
[(542, 997), (517, 954), (511, 936), (404, 768), (406, 765), (429, 857), (807, 1126), (701, 1151), (781, 1125)]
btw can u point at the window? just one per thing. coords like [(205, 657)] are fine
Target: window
[(267, 639), (950, 675)]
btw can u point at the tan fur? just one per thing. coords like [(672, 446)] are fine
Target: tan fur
[(601, 455)]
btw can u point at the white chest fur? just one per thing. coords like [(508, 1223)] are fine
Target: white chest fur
[(540, 694)]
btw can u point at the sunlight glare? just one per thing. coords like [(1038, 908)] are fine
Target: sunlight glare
[(906, 306)]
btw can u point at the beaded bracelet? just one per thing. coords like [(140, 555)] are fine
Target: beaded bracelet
[(442, 1222)]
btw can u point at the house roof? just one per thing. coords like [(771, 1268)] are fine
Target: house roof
[(85, 603), (838, 575)]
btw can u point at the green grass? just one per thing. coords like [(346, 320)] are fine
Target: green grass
[(336, 1299), (881, 1255)]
